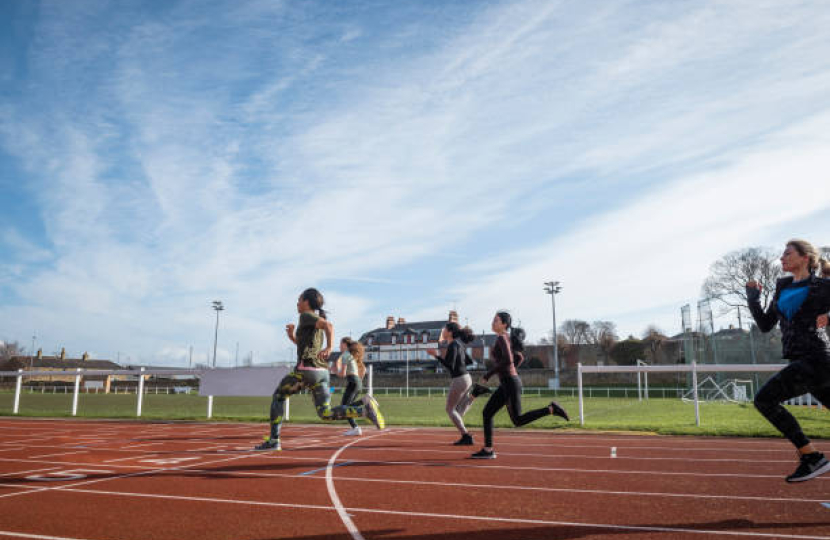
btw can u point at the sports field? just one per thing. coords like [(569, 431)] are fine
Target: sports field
[(115, 480), (663, 416)]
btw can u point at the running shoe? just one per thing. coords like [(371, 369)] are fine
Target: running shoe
[(811, 465), (558, 410), (465, 440), (269, 444), (371, 410), (354, 432), (479, 390), (484, 454)]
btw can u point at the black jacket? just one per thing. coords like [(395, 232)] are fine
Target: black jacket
[(800, 338), (455, 359)]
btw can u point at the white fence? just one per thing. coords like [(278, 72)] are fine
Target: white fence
[(694, 369)]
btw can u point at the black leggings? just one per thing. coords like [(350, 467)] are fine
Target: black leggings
[(353, 388), (799, 377), (508, 393)]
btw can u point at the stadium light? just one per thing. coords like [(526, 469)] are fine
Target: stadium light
[(217, 306), (552, 288)]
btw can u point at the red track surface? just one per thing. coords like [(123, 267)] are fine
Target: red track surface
[(98, 480)]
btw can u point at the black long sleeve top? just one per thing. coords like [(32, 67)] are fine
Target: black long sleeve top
[(800, 338), (454, 359), (505, 361)]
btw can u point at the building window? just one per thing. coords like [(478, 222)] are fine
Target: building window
[(394, 339), (423, 338), (486, 351)]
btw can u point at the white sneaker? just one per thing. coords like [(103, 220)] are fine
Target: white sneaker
[(354, 432)]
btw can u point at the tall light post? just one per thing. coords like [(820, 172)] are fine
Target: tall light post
[(552, 288), (217, 306), (32, 356)]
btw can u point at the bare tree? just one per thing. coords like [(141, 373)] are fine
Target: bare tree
[(10, 349), (575, 331), (603, 334), (729, 274)]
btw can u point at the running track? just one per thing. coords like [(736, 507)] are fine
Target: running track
[(101, 480)]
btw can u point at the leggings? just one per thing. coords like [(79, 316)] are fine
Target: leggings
[(799, 377), (508, 393), (459, 401), (317, 382), (353, 388)]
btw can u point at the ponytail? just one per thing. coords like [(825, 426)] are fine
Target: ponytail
[(315, 301), (464, 334), (517, 339)]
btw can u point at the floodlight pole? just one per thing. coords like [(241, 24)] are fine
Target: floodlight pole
[(217, 306), (552, 288)]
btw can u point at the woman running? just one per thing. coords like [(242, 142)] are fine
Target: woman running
[(455, 360), (798, 302), (507, 355), (350, 366), (312, 371)]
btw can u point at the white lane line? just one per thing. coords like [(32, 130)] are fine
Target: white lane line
[(129, 458), (29, 472), (37, 536), (61, 454), (335, 500), (497, 519)]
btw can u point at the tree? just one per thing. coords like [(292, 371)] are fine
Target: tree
[(603, 334), (533, 363), (10, 349), (729, 274), (653, 340), (575, 331)]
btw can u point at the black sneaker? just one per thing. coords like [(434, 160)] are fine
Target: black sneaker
[(811, 465), (558, 410), (269, 444), (484, 454), (479, 390), (465, 440)]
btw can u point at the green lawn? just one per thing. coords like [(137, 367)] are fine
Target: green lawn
[(664, 416)]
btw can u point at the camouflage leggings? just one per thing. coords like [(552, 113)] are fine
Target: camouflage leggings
[(317, 382)]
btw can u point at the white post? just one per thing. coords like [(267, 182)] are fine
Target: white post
[(371, 379), (210, 407), (287, 408), (579, 386), (17, 391), (639, 387), (75, 396), (140, 392), (694, 387), (645, 376)]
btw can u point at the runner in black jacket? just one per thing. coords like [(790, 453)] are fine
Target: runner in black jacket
[(798, 304), (455, 359)]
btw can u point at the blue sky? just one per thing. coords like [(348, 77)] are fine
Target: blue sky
[(404, 157)]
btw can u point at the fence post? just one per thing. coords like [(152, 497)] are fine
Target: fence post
[(210, 407), (75, 396), (371, 379), (694, 386), (287, 408), (639, 385), (140, 392), (645, 378), (17, 391), (579, 388)]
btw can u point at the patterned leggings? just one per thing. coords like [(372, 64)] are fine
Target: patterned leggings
[(317, 382)]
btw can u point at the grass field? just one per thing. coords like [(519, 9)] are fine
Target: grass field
[(664, 416)]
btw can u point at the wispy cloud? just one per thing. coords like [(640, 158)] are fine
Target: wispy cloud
[(249, 151)]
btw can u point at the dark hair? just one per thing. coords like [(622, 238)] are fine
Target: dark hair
[(465, 334), (517, 335), (315, 300)]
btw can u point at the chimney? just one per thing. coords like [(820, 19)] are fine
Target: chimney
[(40, 354), (453, 316), (85, 357), (63, 353), (390, 322), (401, 321)]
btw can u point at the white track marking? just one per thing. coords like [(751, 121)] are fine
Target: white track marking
[(37, 536), (60, 454), (455, 517), (335, 500)]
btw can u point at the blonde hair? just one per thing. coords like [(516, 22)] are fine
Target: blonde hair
[(824, 268), (814, 260), (355, 348)]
